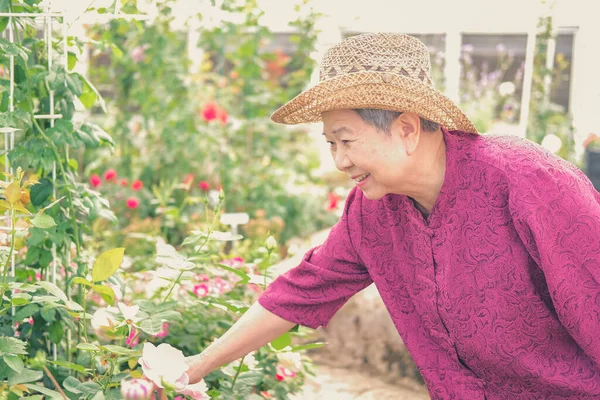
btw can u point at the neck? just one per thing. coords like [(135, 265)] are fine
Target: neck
[(427, 175)]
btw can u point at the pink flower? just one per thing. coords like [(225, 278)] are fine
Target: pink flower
[(95, 180), (209, 111), (279, 377), (201, 290), (203, 277), (235, 262), (204, 186), (133, 203), (138, 54), (133, 338), (163, 332), (136, 389), (286, 373), (137, 185), (110, 174), (124, 182), (221, 285)]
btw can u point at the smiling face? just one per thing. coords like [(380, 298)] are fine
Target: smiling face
[(377, 161)]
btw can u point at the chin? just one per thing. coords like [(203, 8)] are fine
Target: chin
[(373, 195)]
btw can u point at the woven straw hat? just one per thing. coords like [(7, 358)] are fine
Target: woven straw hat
[(388, 71)]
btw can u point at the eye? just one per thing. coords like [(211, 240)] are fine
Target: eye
[(346, 142), (331, 144)]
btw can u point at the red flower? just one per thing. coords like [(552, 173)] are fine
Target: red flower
[(333, 201), (110, 174), (124, 182), (209, 111), (204, 186), (222, 115), (212, 111), (279, 377), (137, 185), (95, 180), (133, 203)]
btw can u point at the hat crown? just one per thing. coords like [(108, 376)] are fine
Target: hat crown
[(387, 54)]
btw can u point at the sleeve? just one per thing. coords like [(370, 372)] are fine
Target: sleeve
[(556, 213), (311, 293)]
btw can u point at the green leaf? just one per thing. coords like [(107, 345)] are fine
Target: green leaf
[(41, 192), (56, 331), (73, 164), (69, 365), (250, 378), (88, 97), (95, 91), (11, 346), (25, 376), (72, 385), (308, 346), (3, 23), (245, 278), (43, 221), (282, 341), (117, 349), (106, 292), (51, 393), (54, 290), (72, 60), (151, 326), (116, 50), (26, 312), (49, 312), (14, 362), (107, 264), (88, 347), (75, 84), (99, 396), (20, 299), (81, 281)]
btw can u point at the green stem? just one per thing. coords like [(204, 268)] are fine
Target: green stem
[(266, 268), (85, 335), (10, 253), (237, 373), (173, 286), (12, 247)]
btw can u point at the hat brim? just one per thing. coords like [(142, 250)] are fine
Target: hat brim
[(377, 90)]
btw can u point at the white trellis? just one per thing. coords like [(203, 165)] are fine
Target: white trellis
[(53, 24)]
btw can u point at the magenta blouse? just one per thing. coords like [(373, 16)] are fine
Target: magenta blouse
[(496, 294)]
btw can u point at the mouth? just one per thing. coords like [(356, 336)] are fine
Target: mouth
[(360, 179)]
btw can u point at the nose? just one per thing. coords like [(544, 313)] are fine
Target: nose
[(342, 162)]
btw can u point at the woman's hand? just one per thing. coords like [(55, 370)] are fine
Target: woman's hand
[(195, 371)]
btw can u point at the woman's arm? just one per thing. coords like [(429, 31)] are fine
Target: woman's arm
[(254, 329)]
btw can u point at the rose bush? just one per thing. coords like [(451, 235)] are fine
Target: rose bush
[(96, 276)]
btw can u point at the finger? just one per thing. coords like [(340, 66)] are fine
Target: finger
[(162, 395)]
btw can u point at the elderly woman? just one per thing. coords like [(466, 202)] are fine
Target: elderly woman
[(484, 248)]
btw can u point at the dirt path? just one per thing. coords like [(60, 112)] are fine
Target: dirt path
[(341, 384)]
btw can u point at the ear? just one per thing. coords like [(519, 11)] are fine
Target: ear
[(408, 128)]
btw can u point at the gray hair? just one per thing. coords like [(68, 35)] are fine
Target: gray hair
[(382, 119)]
